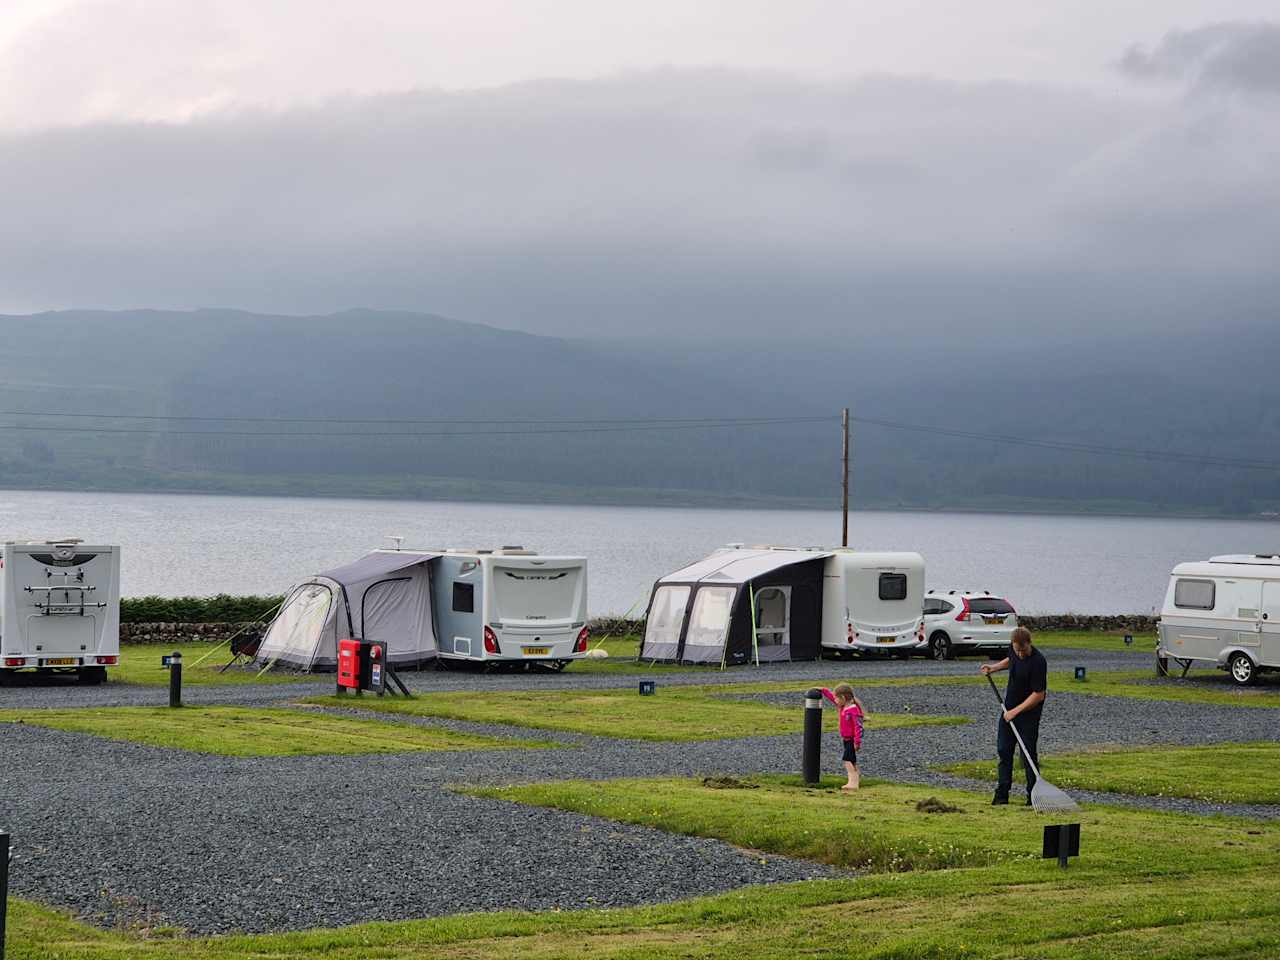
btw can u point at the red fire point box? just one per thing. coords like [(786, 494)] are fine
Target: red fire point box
[(373, 675), (349, 664)]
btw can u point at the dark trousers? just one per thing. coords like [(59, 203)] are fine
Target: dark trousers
[(1029, 728)]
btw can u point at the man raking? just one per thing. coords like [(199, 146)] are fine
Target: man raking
[(1023, 704)]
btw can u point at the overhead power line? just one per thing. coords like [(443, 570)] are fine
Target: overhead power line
[(543, 426), (611, 427)]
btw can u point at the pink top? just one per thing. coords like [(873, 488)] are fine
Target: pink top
[(850, 719)]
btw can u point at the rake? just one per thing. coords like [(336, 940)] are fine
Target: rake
[(1045, 797)]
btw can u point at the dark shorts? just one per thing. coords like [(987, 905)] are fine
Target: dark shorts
[(850, 755)]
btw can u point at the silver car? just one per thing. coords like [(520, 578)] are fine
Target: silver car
[(961, 621)]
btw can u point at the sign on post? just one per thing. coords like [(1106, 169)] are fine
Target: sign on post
[(1060, 842)]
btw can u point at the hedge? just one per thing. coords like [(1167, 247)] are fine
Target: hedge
[(223, 608)]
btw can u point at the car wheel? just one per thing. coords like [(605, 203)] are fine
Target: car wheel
[(940, 646), (1242, 670)]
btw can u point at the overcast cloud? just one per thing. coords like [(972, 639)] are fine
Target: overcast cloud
[(720, 200)]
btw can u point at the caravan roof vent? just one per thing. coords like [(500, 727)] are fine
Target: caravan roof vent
[(62, 540), (515, 552)]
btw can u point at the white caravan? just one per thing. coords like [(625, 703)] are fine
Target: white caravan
[(59, 608), (510, 605), (1226, 611), (873, 603)]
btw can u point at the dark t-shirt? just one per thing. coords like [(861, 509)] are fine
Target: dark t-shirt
[(1025, 678)]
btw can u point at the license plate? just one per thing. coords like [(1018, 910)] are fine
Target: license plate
[(994, 621), (886, 639), (61, 662), (536, 651)]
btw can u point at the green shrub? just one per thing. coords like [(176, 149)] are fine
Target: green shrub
[(223, 608)]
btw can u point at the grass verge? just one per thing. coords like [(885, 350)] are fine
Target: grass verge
[(1221, 773), (141, 664), (1159, 886), (677, 714), (257, 732)]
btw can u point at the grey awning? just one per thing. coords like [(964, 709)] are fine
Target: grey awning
[(376, 564)]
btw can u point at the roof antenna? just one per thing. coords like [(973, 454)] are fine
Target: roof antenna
[(398, 540)]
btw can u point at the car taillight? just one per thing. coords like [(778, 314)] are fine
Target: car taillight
[(963, 615), (491, 641), (106, 661), (15, 661), (580, 645)]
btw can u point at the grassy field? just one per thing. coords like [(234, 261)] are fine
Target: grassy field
[(674, 714), (1222, 773), (624, 650), (140, 663), (977, 890), (1200, 686), (256, 732)]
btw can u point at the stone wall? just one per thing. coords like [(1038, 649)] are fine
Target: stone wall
[(186, 632)]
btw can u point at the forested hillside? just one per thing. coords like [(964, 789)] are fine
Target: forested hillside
[(331, 381)]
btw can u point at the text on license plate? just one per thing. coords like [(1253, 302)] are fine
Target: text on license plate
[(886, 639), (536, 651), (61, 662), (993, 621)]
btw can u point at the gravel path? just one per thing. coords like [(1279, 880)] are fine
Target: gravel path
[(121, 832)]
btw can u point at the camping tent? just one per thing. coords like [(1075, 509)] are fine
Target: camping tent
[(738, 606), (383, 596)]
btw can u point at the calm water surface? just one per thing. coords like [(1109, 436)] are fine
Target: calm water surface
[(176, 545)]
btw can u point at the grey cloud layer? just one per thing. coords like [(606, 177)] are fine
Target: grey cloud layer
[(1230, 56), (674, 200)]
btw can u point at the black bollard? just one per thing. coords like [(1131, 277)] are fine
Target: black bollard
[(812, 764), (175, 679)]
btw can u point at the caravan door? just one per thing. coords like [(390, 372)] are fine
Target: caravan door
[(1269, 655)]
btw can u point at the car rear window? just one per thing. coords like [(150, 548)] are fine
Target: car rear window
[(893, 586), (1194, 594), (991, 606)]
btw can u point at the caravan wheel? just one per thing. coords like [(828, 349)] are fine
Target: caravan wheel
[(1242, 670)]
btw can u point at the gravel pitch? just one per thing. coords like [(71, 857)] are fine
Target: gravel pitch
[(121, 832)]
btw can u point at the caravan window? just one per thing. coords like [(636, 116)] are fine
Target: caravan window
[(1194, 594), (464, 598), (893, 586)]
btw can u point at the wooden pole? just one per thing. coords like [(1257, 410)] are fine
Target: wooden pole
[(844, 526)]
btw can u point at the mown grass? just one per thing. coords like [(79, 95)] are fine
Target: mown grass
[(677, 714), (624, 650), (1218, 773), (1200, 686), (257, 732), (1159, 886), (879, 828), (1144, 644), (141, 664)]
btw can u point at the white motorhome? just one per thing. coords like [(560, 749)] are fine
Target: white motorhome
[(510, 604), (873, 603), (59, 608), (1226, 611)]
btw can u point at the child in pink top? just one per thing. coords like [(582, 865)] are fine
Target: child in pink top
[(851, 716)]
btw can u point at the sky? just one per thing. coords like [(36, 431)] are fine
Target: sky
[(621, 169)]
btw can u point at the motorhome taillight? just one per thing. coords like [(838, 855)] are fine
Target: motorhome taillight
[(491, 641), (15, 661), (106, 661), (580, 645), (963, 615)]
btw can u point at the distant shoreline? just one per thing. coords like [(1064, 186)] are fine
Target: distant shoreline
[(645, 498)]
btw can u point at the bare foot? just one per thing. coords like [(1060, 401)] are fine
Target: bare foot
[(850, 786)]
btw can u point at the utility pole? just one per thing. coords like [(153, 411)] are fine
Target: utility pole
[(844, 527)]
